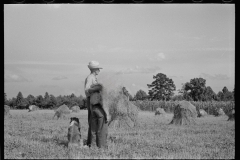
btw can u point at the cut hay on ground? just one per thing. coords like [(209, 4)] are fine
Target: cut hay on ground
[(6, 110), (32, 108), (231, 115), (184, 114), (75, 109), (160, 111), (62, 111), (122, 113)]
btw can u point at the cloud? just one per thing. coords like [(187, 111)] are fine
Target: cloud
[(160, 56), (176, 77), (215, 49), (197, 38), (215, 77), (40, 63), (99, 49), (215, 39), (172, 76), (69, 92), (189, 37), (201, 49), (59, 78), (48, 86), (138, 69), (13, 77), (136, 88)]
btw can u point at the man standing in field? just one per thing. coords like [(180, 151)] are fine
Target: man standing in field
[(96, 117)]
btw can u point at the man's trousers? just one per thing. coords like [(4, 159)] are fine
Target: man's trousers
[(97, 125)]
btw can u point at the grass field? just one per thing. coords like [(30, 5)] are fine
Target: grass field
[(35, 135)]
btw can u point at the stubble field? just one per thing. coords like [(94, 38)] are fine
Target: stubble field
[(36, 135)]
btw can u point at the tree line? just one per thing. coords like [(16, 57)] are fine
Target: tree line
[(46, 102), (162, 88)]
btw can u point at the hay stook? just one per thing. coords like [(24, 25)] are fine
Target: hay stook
[(218, 112), (75, 109), (62, 111), (184, 114), (32, 108), (122, 113), (231, 115), (160, 111), (201, 113)]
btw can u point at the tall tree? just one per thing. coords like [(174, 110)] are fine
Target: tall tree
[(30, 99), (39, 101), (72, 95), (161, 88), (53, 100), (131, 98), (46, 97), (220, 96), (184, 93), (46, 101), (227, 96), (19, 98), (209, 94), (12, 102), (225, 90), (140, 95), (21, 102), (66, 100), (196, 88), (59, 100)]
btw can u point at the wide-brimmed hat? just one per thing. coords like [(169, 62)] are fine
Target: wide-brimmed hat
[(94, 65)]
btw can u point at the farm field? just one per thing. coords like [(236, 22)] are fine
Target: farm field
[(36, 135)]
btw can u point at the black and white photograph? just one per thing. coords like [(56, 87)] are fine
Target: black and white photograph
[(119, 81)]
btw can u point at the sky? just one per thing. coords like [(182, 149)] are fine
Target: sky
[(47, 47)]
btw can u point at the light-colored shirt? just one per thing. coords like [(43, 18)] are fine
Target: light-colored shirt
[(90, 80)]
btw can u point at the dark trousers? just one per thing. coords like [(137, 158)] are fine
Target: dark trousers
[(97, 125)]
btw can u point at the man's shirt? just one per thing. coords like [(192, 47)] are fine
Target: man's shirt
[(90, 80)]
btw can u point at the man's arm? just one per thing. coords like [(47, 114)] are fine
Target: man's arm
[(89, 88), (88, 83)]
